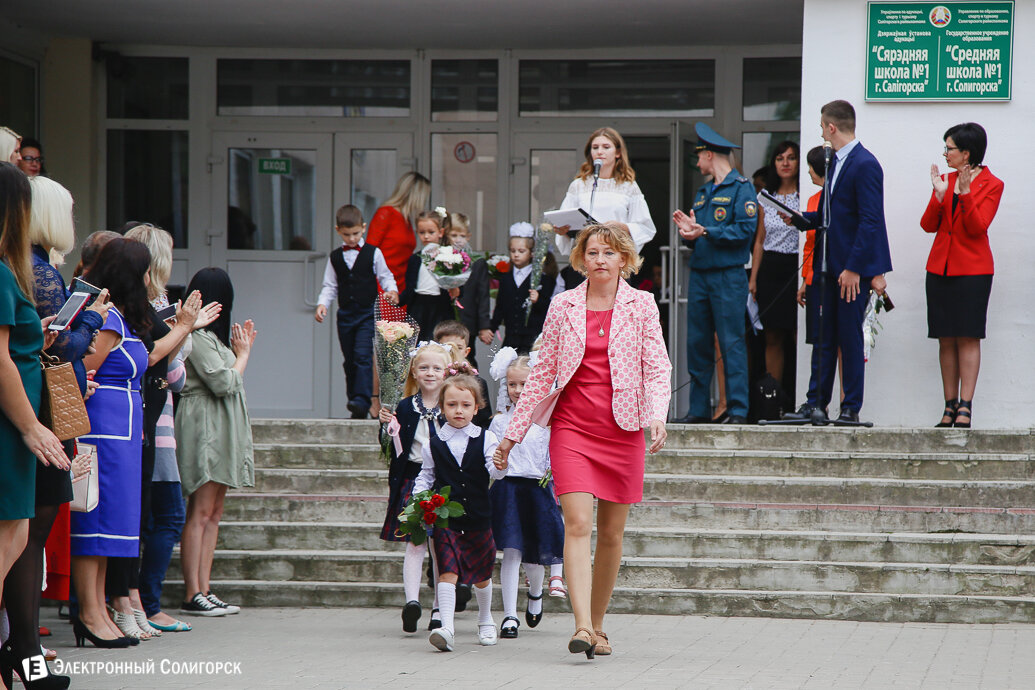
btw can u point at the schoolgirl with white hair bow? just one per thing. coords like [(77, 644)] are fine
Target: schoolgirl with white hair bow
[(520, 326), (526, 520)]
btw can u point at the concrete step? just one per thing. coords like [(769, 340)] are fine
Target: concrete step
[(855, 464), (663, 573), (242, 506), (718, 437), (335, 456), (965, 466), (881, 607), (727, 488), (663, 542)]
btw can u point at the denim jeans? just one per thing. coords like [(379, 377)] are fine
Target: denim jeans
[(164, 526)]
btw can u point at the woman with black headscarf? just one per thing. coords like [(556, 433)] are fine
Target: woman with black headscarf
[(213, 437)]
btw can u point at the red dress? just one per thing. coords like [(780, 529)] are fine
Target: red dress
[(589, 452), (390, 232)]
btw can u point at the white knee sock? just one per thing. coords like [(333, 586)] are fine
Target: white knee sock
[(484, 597), (447, 604), (535, 574), (509, 580), (413, 566), (557, 570)]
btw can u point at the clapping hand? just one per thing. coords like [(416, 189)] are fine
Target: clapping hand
[(963, 179), (940, 184), (689, 228), (208, 314), (243, 337), (187, 311)]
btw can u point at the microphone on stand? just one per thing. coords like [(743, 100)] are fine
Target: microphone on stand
[(828, 155), (597, 163)]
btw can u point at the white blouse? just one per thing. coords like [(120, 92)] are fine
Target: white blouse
[(780, 237), (531, 457), (623, 202)]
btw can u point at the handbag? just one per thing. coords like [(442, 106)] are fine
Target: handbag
[(86, 490), (62, 409)]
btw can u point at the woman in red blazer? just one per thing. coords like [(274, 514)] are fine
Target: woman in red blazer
[(960, 268), (391, 228)]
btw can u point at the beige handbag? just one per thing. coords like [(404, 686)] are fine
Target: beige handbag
[(85, 485), (62, 409)]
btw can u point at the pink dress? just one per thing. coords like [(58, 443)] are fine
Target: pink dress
[(589, 452)]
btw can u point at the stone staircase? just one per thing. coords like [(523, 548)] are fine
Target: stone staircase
[(861, 524)]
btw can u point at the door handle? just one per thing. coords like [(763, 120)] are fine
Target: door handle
[(666, 256), (309, 261)]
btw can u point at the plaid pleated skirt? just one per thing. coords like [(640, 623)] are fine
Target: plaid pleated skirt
[(471, 555)]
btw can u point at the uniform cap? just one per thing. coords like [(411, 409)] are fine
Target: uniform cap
[(709, 139)]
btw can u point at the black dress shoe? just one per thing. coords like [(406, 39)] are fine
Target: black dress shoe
[(848, 416), (410, 616), (463, 595), (736, 419), (533, 618), (509, 632), (692, 419), (435, 621), (358, 411)]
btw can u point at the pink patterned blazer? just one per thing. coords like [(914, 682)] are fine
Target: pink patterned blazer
[(640, 368)]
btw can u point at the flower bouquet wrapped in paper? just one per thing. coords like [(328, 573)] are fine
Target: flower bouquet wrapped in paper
[(395, 334), (543, 237), (499, 265), (450, 267), (426, 510), (870, 323)]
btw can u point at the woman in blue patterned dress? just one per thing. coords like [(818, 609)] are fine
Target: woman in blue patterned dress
[(116, 420)]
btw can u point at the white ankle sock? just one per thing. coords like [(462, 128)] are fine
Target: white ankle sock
[(413, 563), (484, 597), (535, 587), (446, 604), (557, 570), (509, 580)]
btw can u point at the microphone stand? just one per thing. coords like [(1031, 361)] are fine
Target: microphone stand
[(818, 416)]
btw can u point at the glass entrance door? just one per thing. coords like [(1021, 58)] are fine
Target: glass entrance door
[(271, 224)]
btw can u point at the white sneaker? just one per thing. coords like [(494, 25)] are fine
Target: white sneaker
[(487, 635), (442, 639), (219, 603)]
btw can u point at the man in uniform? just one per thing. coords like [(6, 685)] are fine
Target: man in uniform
[(719, 228)]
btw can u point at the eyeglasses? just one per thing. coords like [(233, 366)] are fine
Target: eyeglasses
[(951, 148), (33, 159)]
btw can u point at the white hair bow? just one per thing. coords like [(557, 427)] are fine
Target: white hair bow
[(429, 343), (501, 362), (522, 229)]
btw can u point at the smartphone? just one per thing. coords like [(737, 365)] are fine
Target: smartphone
[(167, 313), (73, 306), (80, 285)]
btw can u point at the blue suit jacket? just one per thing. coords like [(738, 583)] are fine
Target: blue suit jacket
[(857, 232)]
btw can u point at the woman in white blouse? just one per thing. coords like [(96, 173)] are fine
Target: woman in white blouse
[(617, 196)]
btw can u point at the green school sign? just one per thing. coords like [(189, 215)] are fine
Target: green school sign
[(275, 166), (928, 51)]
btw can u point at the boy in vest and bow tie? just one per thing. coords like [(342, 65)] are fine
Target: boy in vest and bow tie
[(353, 273)]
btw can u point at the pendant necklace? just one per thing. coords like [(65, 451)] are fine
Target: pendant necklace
[(600, 331)]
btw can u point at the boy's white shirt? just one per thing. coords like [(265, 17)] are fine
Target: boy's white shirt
[(456, 440), (329, 291)]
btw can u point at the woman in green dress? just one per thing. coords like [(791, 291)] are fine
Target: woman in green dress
[(213, 437), (22, 437)]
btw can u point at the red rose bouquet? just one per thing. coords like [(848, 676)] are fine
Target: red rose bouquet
[(426, 510)]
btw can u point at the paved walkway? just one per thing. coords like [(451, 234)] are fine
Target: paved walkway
[(321, 649)]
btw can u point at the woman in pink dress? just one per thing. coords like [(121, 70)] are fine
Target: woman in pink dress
[(602, 344)]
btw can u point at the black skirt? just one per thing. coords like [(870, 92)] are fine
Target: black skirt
[(957, 306), (776, 286)]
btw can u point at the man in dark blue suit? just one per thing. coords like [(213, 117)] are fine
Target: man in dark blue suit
[(857, 259)]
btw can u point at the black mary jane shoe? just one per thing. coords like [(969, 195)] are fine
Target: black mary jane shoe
[(532, 619), (509, 632), (951, 408), (410, 616), (962, 420), (435, 622)]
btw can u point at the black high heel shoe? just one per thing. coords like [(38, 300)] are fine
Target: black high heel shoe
[(10, 664), (533, 618), (963, 410), (82, 633), (951, 408)]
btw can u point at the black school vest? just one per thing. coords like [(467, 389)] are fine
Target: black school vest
[(356, 286), (470, 482)]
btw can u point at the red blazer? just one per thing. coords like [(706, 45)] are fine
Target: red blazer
[(390, 232), (961, 238)]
